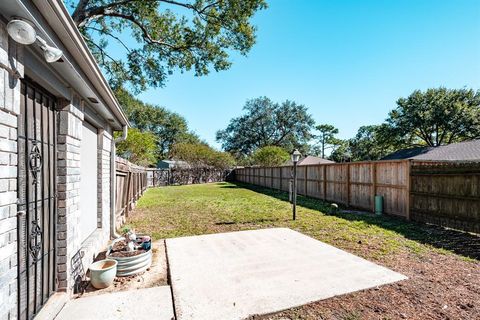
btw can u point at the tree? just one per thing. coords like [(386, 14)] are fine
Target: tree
[(270, 156), (436, 117), (326, 138), (342, 152), (168, 127), (202, 156), (371, 143), (139, 148), (165, 36), (266, 123)]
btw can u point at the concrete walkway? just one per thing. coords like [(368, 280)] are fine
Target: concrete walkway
[(239, 274), (152, 303)]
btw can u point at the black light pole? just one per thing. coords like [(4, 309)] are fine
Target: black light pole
[(295, 158)]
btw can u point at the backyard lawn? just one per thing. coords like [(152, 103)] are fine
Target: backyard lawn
[(442, 265)]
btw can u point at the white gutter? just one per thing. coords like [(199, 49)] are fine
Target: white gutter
[(113, 182)]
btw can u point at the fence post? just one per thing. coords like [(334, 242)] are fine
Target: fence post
[(374, 184), (127, 206), (409, 187), (306, 181), (281, 178), (271, 177), (348, 184), (325, 182)]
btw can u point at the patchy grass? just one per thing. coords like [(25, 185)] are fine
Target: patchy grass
[(442, 265), (221, 207)]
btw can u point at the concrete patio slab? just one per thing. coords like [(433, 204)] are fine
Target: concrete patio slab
[(150, 303), (239, 274)]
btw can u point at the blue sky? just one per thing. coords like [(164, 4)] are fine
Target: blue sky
[(347, 61)]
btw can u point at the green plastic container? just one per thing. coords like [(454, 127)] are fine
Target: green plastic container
[(379, 205)]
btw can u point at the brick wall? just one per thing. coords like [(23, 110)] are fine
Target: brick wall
[(69, 139), (104, 154), (68, 179), (10, 67)]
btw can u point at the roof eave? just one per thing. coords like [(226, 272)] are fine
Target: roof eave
[(73, 40)]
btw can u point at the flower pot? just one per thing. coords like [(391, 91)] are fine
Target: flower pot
[(102, 273)]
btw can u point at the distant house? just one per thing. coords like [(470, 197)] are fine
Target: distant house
[(170, 164), (309, 160), (461, 151)]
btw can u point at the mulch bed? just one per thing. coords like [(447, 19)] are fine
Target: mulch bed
[(439, 287)]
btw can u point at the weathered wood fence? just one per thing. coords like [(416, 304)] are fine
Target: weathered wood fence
[(352, 184), (448, 196), (131, 183)]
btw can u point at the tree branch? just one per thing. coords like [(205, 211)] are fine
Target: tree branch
[(104, 54), (110, 35)]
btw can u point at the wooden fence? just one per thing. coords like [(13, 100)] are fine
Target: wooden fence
[(353, 184), (131, 182), (446, 194), (443, 193)]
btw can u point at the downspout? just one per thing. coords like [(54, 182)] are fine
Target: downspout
[(113, 181)]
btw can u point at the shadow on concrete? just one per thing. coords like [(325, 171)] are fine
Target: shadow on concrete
[(462, 243)]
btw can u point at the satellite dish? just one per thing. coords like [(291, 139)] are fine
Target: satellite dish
[(22, 31)]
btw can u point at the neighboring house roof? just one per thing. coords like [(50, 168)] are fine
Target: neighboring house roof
[(174, 163), (309, 160), (79, 69), (467, 150)]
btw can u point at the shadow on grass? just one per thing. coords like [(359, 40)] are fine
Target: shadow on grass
[(263, 220), (230, 187), (462, 243)]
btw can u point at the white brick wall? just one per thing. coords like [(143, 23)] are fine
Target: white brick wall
[(11, 56)]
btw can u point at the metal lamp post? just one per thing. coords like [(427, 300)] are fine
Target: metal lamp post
[(295, 157)]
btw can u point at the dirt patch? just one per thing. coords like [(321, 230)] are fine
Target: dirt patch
[(439, 287), (121, 254), (119, 246), (156, 275)]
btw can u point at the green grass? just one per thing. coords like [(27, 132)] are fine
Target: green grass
[(221, 207)]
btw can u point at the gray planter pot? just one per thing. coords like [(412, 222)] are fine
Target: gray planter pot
[(128, 266)]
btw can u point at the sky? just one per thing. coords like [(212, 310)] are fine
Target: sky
[(347, 61)]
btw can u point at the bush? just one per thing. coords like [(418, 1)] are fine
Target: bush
[(139, 148), (270, 156), (201, 156)]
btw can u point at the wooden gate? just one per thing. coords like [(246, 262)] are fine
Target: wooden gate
[(37, 201)]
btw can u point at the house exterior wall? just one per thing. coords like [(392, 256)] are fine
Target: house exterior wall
[(69, 140), (10, 60), (69, 240)]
